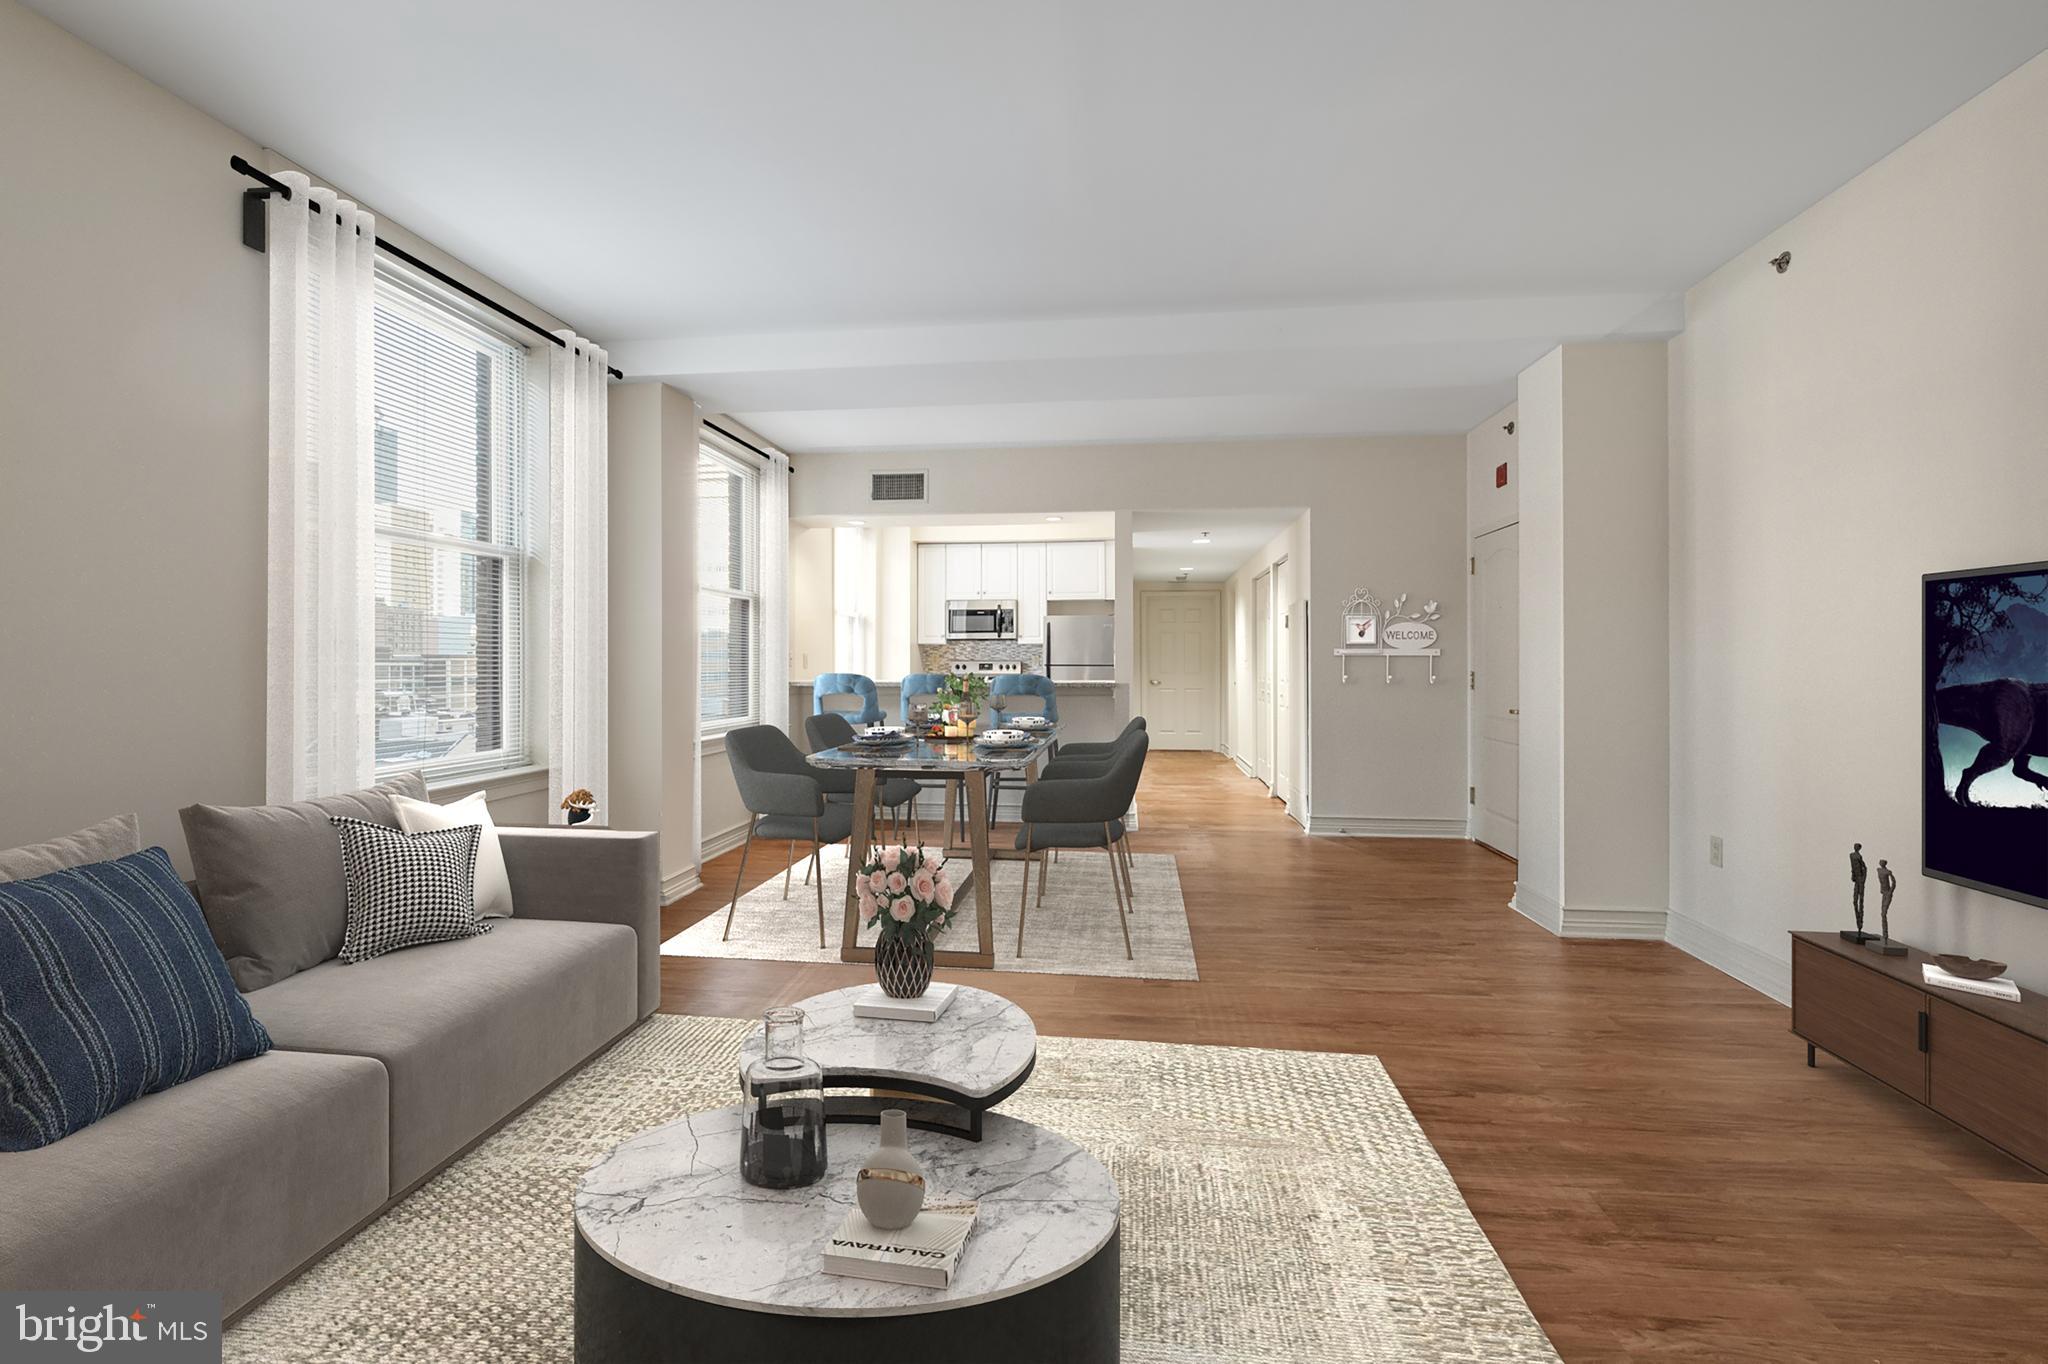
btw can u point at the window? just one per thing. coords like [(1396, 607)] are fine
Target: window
[(456, 436), (728, 590), (853, 598)]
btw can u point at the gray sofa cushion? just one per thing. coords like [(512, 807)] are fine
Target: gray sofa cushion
[(270, 877), (468, 1030), (120, 836), (224, 1183)]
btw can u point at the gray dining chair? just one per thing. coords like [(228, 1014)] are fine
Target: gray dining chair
[(785, 800), (832, 729), (1093, 760), (1082, 812)]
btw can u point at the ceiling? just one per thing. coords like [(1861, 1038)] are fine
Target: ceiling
[(921, 223), (1163, 544)]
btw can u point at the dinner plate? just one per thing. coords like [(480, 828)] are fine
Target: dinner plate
[(1030, 722), (1003, 738)]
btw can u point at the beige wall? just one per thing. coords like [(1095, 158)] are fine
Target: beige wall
[(1878, 412), (1595, 734), (133, 382), (1395, 514), (654, 673)]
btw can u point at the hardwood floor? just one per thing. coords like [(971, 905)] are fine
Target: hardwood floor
[(1637, 1133)]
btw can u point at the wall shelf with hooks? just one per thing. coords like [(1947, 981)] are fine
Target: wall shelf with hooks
[(1347, 652)]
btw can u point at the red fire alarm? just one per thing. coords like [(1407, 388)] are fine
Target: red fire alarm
[(1500, 475)]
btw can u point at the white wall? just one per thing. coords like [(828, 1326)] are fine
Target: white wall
[(1878, 412), (1595, 737), (133, 399), (1382, 757), (1487, 447)]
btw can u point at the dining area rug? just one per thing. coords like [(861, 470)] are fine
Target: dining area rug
[(1073, 932)]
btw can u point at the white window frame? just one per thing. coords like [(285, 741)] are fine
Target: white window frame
[(522, 682), (750, 474)]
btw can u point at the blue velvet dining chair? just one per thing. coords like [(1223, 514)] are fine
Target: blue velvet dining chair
[(1029, 684), (920, 687), (847, 684)]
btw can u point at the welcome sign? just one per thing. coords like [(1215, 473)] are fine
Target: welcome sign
[(1408, 636)]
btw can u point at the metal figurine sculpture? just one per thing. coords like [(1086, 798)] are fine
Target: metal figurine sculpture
[(1858, 873), (1887, 882)]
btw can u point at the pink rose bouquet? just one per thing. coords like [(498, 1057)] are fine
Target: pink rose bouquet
[(907, 891)]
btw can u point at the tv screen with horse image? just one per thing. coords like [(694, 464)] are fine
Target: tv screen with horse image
[(1985, 793)]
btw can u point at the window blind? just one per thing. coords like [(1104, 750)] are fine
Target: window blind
[(456, 435), (728, 590)]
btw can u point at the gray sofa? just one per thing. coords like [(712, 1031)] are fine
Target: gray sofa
[(382, 1073)]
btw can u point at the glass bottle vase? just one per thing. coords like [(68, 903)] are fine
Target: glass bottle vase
[(782, 1130)]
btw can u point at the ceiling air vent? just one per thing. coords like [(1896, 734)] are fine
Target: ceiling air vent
[(896, 487)]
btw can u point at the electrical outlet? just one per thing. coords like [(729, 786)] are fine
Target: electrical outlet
[(1713, 850)]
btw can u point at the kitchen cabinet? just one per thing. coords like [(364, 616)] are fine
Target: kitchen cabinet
[(1077, 570), (998, 573), (1030, 593), (963, 573), (931, 594)]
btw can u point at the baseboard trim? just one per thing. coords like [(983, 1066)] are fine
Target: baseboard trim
[(1243, 767), (677, 884), (1339, 826), (724, 841), (1577, 921), (1757, 969)]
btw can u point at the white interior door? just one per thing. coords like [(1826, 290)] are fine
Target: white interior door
[(1496, 688), (1262, 670), (1179, 646)]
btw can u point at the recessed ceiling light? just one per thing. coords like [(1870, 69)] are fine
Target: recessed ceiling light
[(1189, 569), (1055, 518), (856, 523)]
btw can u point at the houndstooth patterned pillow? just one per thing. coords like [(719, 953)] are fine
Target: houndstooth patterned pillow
[(406, 889)]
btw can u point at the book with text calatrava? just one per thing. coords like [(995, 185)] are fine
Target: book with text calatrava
[(923, 1254)]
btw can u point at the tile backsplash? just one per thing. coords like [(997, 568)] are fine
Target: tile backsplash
[(937, 658)]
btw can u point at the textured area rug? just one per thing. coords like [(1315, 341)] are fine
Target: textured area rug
[(1276, 1206), (1074, 933)]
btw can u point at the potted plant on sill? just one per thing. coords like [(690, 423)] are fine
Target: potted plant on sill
[(906, 891)]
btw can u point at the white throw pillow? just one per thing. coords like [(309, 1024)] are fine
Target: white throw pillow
[(493, 887)]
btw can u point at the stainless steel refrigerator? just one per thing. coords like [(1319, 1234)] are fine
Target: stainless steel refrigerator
[(1081, 648)]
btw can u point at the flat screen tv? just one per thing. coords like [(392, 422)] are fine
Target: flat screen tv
[(1984, 796)]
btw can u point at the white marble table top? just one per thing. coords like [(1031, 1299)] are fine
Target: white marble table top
[(978, 1046), (669, 1208)]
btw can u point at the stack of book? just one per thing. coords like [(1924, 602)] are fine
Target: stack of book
[(1998, 987), (874, 1002), (924, 1254)]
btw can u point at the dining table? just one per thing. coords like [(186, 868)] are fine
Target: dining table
[(966, 760)]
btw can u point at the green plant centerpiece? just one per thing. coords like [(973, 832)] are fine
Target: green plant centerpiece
[(907, 892), (964, 693)]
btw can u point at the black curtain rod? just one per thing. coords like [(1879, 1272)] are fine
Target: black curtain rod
[(739, 440), (253, 235)]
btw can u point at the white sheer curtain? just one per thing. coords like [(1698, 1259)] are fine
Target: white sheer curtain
[(853, 599), (578, 542), (320, 722), (774, 550)]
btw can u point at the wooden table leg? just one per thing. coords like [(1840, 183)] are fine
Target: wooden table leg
[(857, 845), (984, 892)]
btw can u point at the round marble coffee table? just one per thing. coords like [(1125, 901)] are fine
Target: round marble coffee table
[(678, 1259), (978, 1053)]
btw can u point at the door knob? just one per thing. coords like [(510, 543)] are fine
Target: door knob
[(1513, 711), (1154, 681)]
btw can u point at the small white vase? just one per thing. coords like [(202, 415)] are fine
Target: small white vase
[(891, 1183)]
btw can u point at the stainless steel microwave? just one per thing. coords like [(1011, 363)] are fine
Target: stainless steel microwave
[(981, 620)]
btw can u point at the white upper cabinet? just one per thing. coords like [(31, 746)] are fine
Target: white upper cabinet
[(963, 573), (998, 573), (1030, 593), (1077, 570), (931, 594)]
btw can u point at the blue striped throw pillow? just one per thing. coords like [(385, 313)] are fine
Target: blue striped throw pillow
[(110, 989)]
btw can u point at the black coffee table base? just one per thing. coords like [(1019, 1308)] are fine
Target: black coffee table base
[(624, 1320)]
